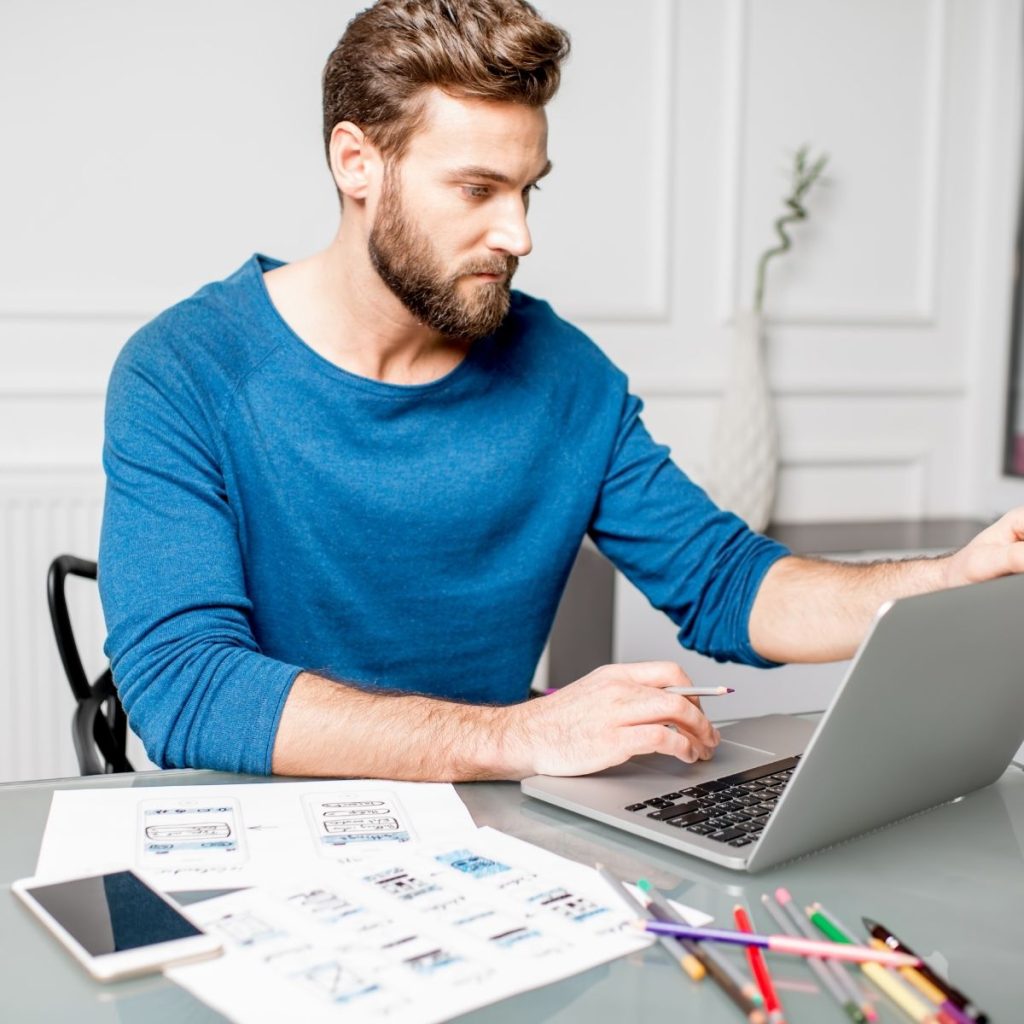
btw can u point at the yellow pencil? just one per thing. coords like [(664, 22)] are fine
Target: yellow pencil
[(918, 1011)]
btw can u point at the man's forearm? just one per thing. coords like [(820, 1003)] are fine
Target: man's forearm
[(811, 610), (330, 728), (611, 714)]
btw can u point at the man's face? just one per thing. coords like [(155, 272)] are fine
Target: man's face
[(450, 223)]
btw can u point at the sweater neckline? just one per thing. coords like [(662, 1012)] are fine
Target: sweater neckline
[(260, 263)]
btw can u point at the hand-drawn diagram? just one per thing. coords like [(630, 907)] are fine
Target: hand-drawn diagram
[(192, 833), (373, 817)]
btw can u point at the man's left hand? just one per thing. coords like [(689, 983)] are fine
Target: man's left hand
[(996, 551)]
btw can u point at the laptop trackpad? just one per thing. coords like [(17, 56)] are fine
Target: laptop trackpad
[(744, 744)]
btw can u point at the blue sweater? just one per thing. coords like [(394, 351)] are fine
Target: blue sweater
[(268, 512)]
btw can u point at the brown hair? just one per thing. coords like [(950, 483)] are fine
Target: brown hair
[(485, 49)]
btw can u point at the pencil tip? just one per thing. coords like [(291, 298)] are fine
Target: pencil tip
[(642, 883), (868, 923), (782, 894)]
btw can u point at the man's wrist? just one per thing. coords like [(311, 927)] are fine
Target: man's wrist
[(502, 748)]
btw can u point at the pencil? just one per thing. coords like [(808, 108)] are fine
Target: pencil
[(760, 970), (715, 964), (844, 979), (817, 966), (684, 691), (794, 945), (942, 991), (805, 928), (675, 949), (719, 969), (700, 691), (899, 993), (889, 984)]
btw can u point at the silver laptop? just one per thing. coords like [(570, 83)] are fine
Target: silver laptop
[(931, 708)]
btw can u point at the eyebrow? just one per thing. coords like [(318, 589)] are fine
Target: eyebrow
[(489, 174)]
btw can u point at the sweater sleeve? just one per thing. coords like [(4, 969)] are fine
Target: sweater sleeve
[(196, 688), (699, 564)]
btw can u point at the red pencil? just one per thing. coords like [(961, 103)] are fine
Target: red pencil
[(760, 969)]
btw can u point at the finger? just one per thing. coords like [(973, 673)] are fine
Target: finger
[(655, 673), (994, 560), (1011, 524), (683, 712), (656, 739)]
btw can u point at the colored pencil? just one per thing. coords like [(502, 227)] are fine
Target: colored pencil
[(683, 691), (816, 965), (661, 910), (700, 691), (760, 969), (681, 956), (946, 1012), (900, 993), (722, 973), (888, 983), (964, 1005), (793, 945), (804, 927), (844, 979)]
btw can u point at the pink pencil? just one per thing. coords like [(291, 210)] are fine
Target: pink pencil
[(685, 691), (782, 944)]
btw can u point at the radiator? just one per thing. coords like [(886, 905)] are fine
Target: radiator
[(43, 514)]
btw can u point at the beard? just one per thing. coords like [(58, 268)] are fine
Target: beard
[(408, 264)]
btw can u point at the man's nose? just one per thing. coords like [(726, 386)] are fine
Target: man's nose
[(510, 233)]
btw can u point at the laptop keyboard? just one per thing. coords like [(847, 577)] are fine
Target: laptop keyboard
[(732, 810)]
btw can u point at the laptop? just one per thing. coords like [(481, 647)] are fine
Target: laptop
[(930, 709)]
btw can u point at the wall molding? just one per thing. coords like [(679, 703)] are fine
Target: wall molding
[(923, 312)]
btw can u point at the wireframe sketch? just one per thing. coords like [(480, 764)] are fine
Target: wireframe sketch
[(373, 817), (191, 834)]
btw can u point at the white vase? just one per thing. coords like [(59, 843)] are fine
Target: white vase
[(745, 444)]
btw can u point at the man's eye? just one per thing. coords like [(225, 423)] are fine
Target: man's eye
[(476, 191)]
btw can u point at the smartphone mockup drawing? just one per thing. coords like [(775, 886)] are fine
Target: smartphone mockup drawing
[(115, 925), (195, 833)]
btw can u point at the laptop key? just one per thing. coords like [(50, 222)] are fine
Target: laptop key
[(658, 802), (762, 772), (674, 811), (701, 830), (637, 807), (727, 835), (686, 820), (671, 796), (742, 841)]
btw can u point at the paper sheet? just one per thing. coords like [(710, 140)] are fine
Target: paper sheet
[(222, 837), (414, 934)]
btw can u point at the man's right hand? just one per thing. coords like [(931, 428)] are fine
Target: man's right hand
[(614, 713)]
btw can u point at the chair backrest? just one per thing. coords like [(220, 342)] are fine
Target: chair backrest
[(99, 726)]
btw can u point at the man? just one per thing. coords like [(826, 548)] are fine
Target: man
[(344, 494)]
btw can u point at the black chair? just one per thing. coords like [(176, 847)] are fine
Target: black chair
[(99, 726)]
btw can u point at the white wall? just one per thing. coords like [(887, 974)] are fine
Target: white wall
[(150, 148)]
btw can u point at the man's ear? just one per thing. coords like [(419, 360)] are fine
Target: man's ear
[(355, 161)]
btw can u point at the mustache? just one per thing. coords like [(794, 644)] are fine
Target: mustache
[(501, 265)]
